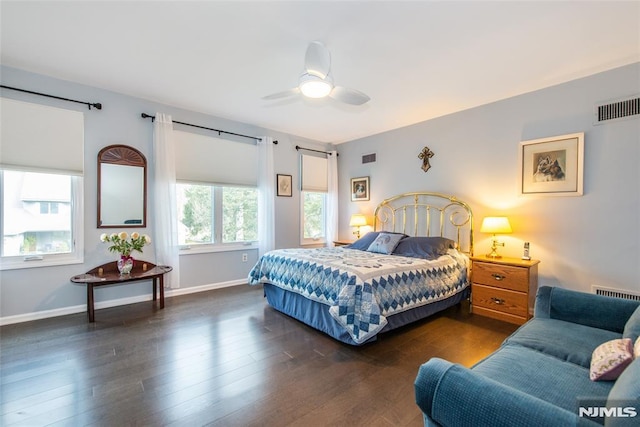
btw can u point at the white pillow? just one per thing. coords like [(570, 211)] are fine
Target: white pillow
[(385, 243), (610, 359)]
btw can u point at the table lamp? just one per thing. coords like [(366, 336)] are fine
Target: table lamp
[(495, 225), (357, 220)]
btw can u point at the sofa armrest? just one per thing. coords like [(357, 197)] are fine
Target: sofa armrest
[(583, 308), (452, 395)]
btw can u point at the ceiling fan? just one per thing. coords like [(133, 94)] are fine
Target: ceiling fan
[(316, 81)]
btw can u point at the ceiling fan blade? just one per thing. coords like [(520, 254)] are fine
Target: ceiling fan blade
[(349, 96), (283, 94), (317, 60)]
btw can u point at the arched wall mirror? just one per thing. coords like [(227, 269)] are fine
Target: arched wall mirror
[(122, 187)]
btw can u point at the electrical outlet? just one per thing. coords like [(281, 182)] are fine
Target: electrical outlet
[(244, 258)]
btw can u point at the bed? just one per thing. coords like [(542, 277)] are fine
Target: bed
[(356, 292)]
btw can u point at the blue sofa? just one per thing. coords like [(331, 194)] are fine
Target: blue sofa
[(540, 374)]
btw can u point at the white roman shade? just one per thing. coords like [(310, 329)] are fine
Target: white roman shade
[(40, 137), (314, 173), (201, 158)]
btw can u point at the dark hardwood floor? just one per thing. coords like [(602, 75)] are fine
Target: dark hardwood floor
[(222, 358)]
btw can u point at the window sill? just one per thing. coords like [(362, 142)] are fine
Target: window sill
[(310, 242), (204, 249), (18, 263)]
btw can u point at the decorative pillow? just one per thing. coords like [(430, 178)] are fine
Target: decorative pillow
[(424, 247), (365, 241), (636, 349), (385, 243), (632, 327), (609, 359)]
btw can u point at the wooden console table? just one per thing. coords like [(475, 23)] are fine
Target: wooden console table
[(108, 274)]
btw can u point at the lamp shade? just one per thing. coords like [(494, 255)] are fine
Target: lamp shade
[(357, 220), (496, 225)]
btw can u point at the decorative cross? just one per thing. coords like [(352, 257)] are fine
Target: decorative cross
[(425, 155)]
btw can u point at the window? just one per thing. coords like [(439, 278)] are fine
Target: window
[(215, 215), (40, 219), (313, 199), (217, 193), (41, 185), (313, 214)]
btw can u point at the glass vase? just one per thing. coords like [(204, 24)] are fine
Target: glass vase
[(125, 264)]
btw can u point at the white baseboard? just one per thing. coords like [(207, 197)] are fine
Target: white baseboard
[(168, 293)]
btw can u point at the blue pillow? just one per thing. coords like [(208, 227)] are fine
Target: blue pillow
[(632, 327), (365, 241), (424, 247), (385, 243)]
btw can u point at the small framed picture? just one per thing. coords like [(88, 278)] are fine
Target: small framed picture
[(360, 189), (552, 166), (283, 183)]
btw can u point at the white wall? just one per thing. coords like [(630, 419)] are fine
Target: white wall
[(42, 292), (593, 239)]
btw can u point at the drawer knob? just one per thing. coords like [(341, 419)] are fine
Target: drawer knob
[(497, 301), (498, 277)]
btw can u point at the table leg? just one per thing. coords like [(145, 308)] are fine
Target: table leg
[(90, 309), (161, 291), (155, 290)]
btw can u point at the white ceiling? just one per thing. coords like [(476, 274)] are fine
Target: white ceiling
[(416, 60)]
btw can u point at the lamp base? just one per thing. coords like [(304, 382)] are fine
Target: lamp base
[(494, 246)]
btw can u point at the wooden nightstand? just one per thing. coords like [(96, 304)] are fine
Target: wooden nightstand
[(504, 288), (342, 242)]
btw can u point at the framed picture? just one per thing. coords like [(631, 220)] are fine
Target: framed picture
[(552, 166), (360, 189), (283, 183)]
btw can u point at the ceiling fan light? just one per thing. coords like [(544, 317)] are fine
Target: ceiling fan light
[(314, 86)]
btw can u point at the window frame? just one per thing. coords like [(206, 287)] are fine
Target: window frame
[(309, 241), (75, 256), (217, 245)]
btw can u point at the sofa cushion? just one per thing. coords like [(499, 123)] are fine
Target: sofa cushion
[(541, 375), (586, 309), (625, 392), (567, 341), (610, 359), (632, 327)]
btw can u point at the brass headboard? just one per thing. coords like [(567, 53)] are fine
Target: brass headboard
[(427, 214)]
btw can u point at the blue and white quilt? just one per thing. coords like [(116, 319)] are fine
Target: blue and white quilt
[(362, 288)]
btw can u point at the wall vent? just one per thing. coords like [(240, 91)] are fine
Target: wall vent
[(617, 109), (369, 158), (616, 293)]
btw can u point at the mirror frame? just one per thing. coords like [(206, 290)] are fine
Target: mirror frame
[(119, 154)]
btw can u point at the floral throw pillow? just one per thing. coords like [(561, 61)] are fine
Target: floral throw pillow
[(636, 348), (610, 359), (385, 243)]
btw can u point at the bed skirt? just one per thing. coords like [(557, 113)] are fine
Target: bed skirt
[(317, 315)]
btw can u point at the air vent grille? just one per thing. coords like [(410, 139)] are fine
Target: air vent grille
[(618, 109), (369, 158), (615, 293)]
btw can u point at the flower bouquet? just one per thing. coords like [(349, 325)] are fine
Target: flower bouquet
[(124, 244)]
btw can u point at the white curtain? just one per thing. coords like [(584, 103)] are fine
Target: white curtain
[(332, 198), (165, 210), (266, 196)]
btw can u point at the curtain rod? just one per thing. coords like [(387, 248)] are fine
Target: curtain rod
[(315, 151), (147, 116), (96, 105)]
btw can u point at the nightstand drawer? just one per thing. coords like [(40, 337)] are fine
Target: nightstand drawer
[(502, 300), (501, 276)]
